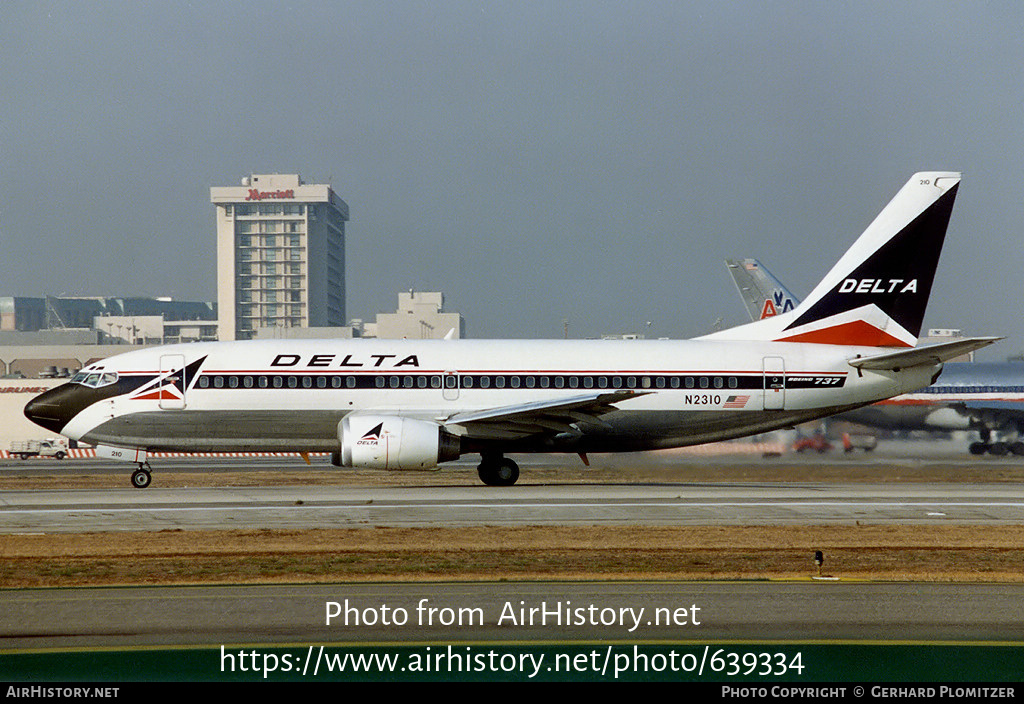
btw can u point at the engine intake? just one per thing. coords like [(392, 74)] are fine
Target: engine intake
[(394, 442)]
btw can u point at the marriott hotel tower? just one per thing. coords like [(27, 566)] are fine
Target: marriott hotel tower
[(280, 255)]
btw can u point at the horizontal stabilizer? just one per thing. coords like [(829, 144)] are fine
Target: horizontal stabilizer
[(929, 354)]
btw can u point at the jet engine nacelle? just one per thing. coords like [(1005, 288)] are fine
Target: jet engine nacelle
[(393, 442)]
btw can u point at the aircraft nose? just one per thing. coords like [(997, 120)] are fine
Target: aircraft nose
[(52, 409)]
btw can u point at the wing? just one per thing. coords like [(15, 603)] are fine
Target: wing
[(992, 411), (557, 416)]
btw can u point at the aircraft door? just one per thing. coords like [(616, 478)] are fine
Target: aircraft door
[(774, 384), (450, 382), (172, 388)]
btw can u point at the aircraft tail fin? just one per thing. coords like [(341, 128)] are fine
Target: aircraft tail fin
[(762, 293), (877, 292)]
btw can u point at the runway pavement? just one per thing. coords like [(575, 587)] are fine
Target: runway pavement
[(672, 489), (510, 612), (727, 612), (552, 504)]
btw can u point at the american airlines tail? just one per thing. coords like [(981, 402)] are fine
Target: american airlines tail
[(876, 294), (762, 293)]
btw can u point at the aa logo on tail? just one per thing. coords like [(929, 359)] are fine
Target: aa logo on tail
[(778, 303)]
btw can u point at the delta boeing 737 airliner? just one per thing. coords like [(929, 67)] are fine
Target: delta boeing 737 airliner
[(414, 404)]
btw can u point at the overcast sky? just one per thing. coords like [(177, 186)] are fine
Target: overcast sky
[(536, 161)]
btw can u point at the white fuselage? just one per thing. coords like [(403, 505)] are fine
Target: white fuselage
[(292, 395)]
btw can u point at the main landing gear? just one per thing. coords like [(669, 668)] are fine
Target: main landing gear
[(998, 448), (141, 477), (496, 470)]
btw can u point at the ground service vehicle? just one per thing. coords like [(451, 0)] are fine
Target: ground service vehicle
[(39, 448)]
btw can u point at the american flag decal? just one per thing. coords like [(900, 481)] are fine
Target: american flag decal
[(736, 402)]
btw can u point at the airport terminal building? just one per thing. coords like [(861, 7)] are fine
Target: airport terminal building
[(280, 255)]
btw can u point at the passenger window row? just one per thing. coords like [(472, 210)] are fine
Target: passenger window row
[(474, 381)]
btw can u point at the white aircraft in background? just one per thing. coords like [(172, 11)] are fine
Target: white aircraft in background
[(413, 404), (983, 396)]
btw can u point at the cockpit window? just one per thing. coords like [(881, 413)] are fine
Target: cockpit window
[(95, 379)]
